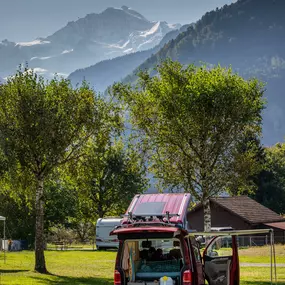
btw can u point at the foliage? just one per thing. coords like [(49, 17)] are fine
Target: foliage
[(44, 125), (61, 201), (109, 175), (194, 120), (20, 223), (270, 181)]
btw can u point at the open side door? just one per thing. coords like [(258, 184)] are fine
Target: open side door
[(225, 263), (221, 262), (197, 261)]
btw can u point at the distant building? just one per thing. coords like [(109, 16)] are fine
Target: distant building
[(240, 213)]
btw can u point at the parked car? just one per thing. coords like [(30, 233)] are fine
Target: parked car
[(103, 228)]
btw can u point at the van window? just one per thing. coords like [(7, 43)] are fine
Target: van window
[(221, 246)]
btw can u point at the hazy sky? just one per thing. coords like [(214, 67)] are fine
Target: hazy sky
[(22, 20)]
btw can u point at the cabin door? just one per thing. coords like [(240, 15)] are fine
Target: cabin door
[(221, 262)]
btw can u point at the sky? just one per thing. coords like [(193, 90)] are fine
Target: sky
[(25, 20)]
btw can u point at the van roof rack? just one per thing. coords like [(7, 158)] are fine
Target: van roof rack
[(162, 219)]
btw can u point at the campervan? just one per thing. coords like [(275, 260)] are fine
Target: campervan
[(155, 247), (103, 228)]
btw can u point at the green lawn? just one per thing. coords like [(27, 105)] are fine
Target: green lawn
[(91, 267), (257, 254), (262, 254)]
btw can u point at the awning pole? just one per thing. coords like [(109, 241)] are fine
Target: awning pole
[(274, 256), (4, 241), (271, 265)]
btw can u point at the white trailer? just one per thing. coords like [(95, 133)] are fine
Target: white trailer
[(103, 228)]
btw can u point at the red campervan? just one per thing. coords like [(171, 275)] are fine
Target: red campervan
[(156, 247), (152, 242)]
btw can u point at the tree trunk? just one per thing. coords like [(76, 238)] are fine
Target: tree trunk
[(40, 263), (207, 215)]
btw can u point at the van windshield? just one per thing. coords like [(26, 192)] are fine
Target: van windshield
[(153, 258)]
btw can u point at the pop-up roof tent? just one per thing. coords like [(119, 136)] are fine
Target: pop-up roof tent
[(173, 206), (4, 232)]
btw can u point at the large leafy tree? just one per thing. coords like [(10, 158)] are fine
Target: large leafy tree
[(44, 125), (194, 120)]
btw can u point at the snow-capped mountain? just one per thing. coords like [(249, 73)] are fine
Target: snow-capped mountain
[(96, 37)]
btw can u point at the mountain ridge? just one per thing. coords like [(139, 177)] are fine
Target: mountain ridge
[(88, 40), (104, 73)]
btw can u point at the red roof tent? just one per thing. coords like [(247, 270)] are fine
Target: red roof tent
[(160, 204)]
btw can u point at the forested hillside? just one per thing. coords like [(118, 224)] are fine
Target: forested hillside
[(249, 35)]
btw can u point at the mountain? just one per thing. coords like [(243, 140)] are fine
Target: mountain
[(248, 35), (96, 37), (103, 74)]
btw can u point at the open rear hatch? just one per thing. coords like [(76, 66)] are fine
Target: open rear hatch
[(148, 253)]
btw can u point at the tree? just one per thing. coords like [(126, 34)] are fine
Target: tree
[(108, 176), (270, 180), (194, 120), (44, 125)]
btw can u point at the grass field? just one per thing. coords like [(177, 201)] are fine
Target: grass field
[(92, 267)]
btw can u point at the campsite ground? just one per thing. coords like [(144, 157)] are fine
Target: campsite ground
[(92, 267)]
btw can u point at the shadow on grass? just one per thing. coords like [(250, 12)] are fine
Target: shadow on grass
[(82, 250), (74, 280), (6, 271)]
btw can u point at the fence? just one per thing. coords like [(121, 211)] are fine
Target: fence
[(245, 241)]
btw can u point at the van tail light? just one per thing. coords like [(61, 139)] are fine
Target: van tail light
[(187, 277), (117, 278)]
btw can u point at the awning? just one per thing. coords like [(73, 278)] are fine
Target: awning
[(2, 218), (232, 233), (278, 225)]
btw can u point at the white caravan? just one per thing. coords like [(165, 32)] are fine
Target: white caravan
[(103, 228)]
